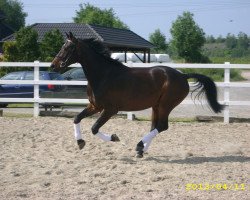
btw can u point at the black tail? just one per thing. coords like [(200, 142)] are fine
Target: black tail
[(208, 86)]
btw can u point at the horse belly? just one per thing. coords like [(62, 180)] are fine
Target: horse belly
[(138, 100)]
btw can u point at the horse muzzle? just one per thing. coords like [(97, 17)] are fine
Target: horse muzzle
[(54, 67)]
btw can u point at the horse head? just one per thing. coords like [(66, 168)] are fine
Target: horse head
[(67, 55)]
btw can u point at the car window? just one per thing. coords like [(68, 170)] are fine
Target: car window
[(29, 76), (13, 76), (78, 74), (67, 73), (43, 76), (74, 74), (55, 76)]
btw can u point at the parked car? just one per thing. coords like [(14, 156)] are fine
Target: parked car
[(24, 90), (76, 74), (70, 91)]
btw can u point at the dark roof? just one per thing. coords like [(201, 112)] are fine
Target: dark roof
[(5, 30), (2, 15), (119, 39)]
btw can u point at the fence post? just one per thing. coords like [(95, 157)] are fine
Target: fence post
[(226, 92), (36, 89), (130, 115)]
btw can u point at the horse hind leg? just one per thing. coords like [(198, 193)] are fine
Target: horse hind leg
[(167, 103), (154, 118), (144, 144)]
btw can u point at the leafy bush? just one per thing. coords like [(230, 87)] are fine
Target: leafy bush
[(51, 44), (10, 51), (242, 60)]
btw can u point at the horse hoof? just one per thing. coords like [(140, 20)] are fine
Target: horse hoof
[(139, 155), (115, 138), (81, 143), (140, 147)]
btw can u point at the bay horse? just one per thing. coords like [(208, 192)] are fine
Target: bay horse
[(114, 87)]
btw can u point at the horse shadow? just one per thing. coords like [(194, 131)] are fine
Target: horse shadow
[(199, 160), (194, 160)]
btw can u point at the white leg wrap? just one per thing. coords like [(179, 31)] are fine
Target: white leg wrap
[(147, 139), (146, 146), (77, 129), (103, 136)]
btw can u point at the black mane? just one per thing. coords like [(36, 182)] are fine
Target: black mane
[(98, 46), (101, 48)]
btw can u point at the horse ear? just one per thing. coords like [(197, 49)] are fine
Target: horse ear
[(67, 35), (72, 37)]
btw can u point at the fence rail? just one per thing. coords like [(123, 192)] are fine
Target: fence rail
[(36, 82)]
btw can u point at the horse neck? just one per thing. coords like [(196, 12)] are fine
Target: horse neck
[(96, 67)]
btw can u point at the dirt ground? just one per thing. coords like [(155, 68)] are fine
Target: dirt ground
[(40, 160)]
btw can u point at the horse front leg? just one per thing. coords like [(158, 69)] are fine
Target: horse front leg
[(105, 116), (88, 111)]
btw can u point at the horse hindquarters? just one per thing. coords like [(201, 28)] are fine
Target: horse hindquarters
[(174, 91)]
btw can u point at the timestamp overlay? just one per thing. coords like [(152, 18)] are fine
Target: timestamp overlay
[(217, 186)]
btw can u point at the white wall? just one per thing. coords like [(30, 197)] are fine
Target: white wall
[(158, 58)]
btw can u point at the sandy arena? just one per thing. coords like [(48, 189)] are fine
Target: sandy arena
[(40, 160)]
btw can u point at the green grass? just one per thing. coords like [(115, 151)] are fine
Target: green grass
[(17, 115), (21, 105), (216, 74), (222, 60)]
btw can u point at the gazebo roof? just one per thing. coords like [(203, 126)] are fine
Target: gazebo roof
[(115, 38)]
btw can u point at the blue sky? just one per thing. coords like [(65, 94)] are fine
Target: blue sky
[(215, 17)]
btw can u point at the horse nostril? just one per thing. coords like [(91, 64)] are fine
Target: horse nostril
[(53, 67)]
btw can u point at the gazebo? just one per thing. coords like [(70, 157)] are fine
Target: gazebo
[(118, 40)]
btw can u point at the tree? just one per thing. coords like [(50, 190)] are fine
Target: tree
[(13, 13), (10, 54), (188, 38), (90, 14), (51, 44), (27, 45), (243, 41), (231, 41), (24, 49), (10, 51), (159, 40), (220, 39), (210, 39)]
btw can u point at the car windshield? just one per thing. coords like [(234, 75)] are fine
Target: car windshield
[(29, 75), (55, 76), (44, 76), (13, 76), (74, 74)]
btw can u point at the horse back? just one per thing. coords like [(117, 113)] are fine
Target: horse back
[(140, 88)]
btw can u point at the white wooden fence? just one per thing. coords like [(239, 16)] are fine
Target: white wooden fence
[(36, 82)]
